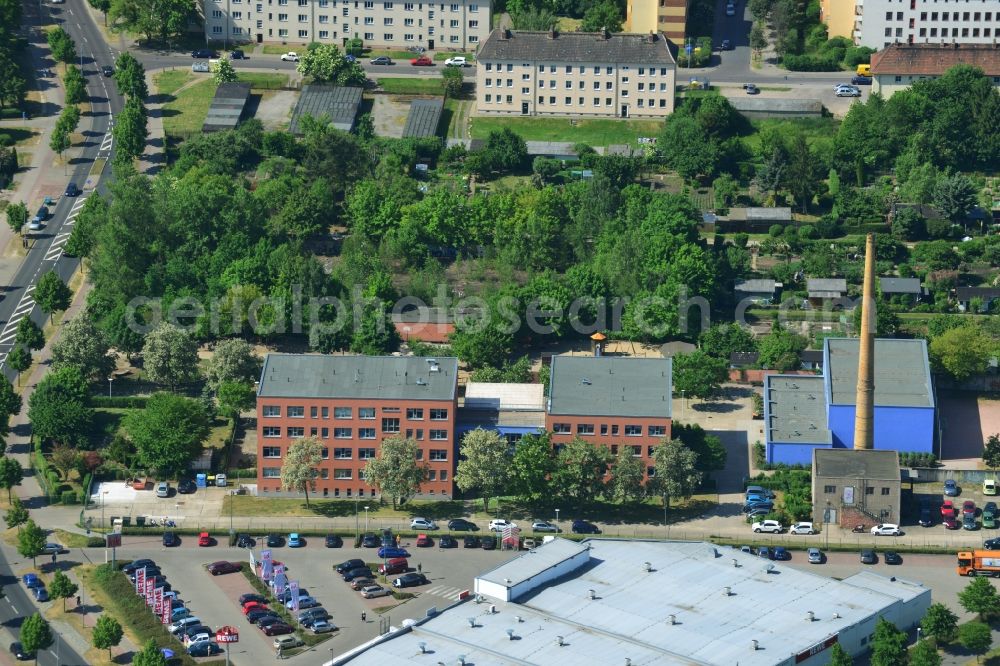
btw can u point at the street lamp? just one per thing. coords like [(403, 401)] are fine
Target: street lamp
[(110, 379), (557, 516), (104, 495), (366, 520), (357, 519)]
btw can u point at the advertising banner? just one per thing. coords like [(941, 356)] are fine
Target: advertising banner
[(165, 617), (158, 600), (280, 581), (140, 581), (293, 591), (149, 591), (266, 566)]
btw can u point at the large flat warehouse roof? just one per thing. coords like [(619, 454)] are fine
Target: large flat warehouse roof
[(610, 386), (902, 372)]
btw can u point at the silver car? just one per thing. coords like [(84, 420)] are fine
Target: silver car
[(373, 591), (815, 556), (199, 66)]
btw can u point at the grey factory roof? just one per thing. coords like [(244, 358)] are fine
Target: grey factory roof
[(227, 107), (796, 410), (756, 286), (902, 372), (895, 285), (497, 395), (541, 559), (423, 118), (826, 287), (610, 386), (579, 47), (848, 463), (675, 611), (339, 104), (376, 377)]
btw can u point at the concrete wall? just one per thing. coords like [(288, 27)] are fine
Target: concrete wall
[(900, 428)]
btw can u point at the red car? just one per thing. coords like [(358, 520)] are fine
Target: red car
[(950, 523), (424, 541), (277, 629), (422, 61), (204, 539), (253, 605), (219, 568), (968, 508), (947, 509)]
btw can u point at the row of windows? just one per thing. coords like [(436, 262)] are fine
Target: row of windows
[(346, 475), (870, 490), (581, 85), (389, 426), (588, 429), (325, 34), (346, 453), (347, 413), (369, 4), (965, 32), (976, 16), (581, 69)]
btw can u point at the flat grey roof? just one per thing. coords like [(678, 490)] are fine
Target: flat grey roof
[(376, 377), (756, 286), (227, 107), (423, 118), (826, 285), (777, 105), (610, 386), (796, 410), (340, 104), (536, 561), (902, 372), (895, 285), (849, 463)]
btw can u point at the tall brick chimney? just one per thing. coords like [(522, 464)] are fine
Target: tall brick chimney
[(864, 415)]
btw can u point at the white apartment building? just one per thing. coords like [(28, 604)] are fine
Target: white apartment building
[(454, 24), (579, 74), (879, 23)]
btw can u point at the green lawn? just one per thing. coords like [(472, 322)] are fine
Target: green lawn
[(278, 49), (395, 55), (438, 57), (264, 80), (817, 130), (401, 86), (168, 82), (600, 132), (185, 113)]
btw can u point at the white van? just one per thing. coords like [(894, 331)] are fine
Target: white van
[(182, 624)]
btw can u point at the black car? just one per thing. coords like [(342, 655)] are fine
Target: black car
[(351, 574), (992, 544), (137, 564), (237, 54), (108, 70), (471, 542), (447, 541), (410, 580), (245, 541), (186, 487), (72, 190), (388, 540), (250, 596), (726, 45), (170, 540), (204, 649), (861, 81), (370, 541), (202, 54), (318, 613), (263, 623), (462, 525), (275, 540), (19, 652), (892, 557), (926, 517), (258, 614), (349, 564), (334, 541), (489, 544), (150, 572), (161, 581), (584, 527), (868, 556)]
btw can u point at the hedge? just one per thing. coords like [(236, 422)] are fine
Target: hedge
[(118, 402), (808, 63)]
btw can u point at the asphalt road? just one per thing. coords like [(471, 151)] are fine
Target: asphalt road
[(45, 246)]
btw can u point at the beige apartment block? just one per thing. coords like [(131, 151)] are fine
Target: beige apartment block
[(457, 24), (577, 74), (898, 66), (664, 16), (838, 15)]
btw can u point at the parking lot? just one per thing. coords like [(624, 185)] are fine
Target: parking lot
[(214, 598)]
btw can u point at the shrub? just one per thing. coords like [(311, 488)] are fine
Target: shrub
[(119, 402), (68, 497), (776, 230), (828, 62)]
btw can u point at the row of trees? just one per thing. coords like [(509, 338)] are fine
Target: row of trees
[(13, 85), (160, 21), (131, 125)]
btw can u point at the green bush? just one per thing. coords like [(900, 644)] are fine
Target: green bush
[(810, 63), (95, 542), (118, 402), (68, 497)]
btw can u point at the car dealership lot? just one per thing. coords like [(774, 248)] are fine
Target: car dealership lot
[(214, 598)]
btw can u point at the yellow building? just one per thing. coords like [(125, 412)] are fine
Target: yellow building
[(839, 16), (661, 16)]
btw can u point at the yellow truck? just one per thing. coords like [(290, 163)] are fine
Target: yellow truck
[(864, 70)]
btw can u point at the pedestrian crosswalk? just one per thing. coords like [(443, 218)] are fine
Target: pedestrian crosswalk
[(452, 593)]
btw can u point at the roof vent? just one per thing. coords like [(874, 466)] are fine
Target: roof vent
[(434, 368), (510, 634), (431, 360), (672, 619), (592, 594), (736, 563), (493, 609), (461, 660), (836, 616), (518, 618), (507, 581), (810, 616), (628, 662), (559, 641), (423, 647), (754, 645), (647, 567), (651, 38), (421, 381), (471, 621), (586, 382), (727, 591)]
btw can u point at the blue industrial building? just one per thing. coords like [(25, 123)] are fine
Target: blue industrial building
[(803, 413)]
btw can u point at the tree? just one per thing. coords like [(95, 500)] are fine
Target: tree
[(888, 645), (839, 656), (710, 453), (29, 334), (325, 63), (62, 45), (30, 541), (485, 457), (908, 225), (504, 152), (130, 131), (396, 472), (976, 637), (299, 470), (169, 432), (802, 175), (13, 86), (453, 79), (60, 141), (164, 19), (17, 514), (779, 349), (676, 468), (939, 623), (75, 84), (991, 452), (58, 407), (170, 355), (687, 148), (723, 340), (10, 404), (52, 294), (101, 6), (955, 196), (17, 216), (579, 470), (130, 76), (224, 72), (83, 344), (236, 397), (35, 634), (961, 352), (232, 361), (62, 587), (107, 633), (19, 360), (532, 18), (925, 653), (531, 466), (980, 597), (603, 16), (758, 40), (11, 474), (628, 472), (699, 375), (64, 459), (150, 654), (886, 321)]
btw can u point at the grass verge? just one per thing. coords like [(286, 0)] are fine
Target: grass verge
[(186, 112), (264, 80), (74, 540), (278, 49), (167, 83), (598, 132), (440, 57), (259, 587), (401, 86)]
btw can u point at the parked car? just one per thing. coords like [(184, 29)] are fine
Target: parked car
[(968, 506), (203, 53), (765, 552), (108, 70), (268, 620), (969, 522), (200, 66), (313, 614), (767, 507), (457, 61), (204, 539), (989, 486), (291, 56), (204, 649), (758, 490), (54, 548), (802, 528), (150, 572), (72, 190), (223, 567), (447, 541), (848, 91), (727, 45), (751, 499), (163, 489), (381, 60), (990, 514), (868, 556), (387, 538), (861, 80), (392, 551), (373, 591), (892, 557), (237, 54), (815, 556), (462, 525), (253, 605), (488, 543), (886, 529), (423, 524), (926, 517), (198, 635), (245, 541), (768, 526), (730, 9), (304, 602), (286, 642), (422, 61), (781, 553), (358, 573), (186, 487), (394, 566), (471, 541), (359, 584), (178, 613), (258, 614), (322, 627), (250, 596), (410, 580), (759, 512), (295, 541), (178, 626), (948, 509), (278, 628), (585, 527), (424, 541), (32, 581), (41, 594), (349, 564), (751, 88), (543, 526), (950, 523), (170, 539), (992, 544), (20, 653), (333, 541), (370, 541), (137, 564), (951, 488), (275, 541), (499, 524)]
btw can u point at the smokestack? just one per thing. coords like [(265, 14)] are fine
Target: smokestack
[(864, 415)]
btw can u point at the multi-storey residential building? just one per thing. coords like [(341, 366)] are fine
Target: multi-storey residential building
[(456, 24), (879, 23), (352, 403), (524, 73), (838, 15), (666, 16), (612, 401), (898, 66)]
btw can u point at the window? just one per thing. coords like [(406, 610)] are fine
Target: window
[(414, 413), (270, 411), (650, 450), (367, 413), (366, 433), (869, 491), (604, 428), (829, 490), (438, 435), (408, 22), (420, 454), (475, 8), (597, 70), (338, 413), (624, 79), (303, 18), (296, 432), (510, 83), (453, 23), (642, 70), (271, 472), (510, 67), (597, 85), (633, 430), (561, 428), (438, 454), (313, 412), (888, 16), (271, 452), (390, 410), (303, 34), (651, 472), (444, 475), (295, 412), (636, 451), (325, 433), (313, 432), (656, 430), (489, 98), (568, 100), (282, 17), (325, 453), (524, 91), (366, 454), (343, 433), (439, 415), (609, 85), (642, 86), (597, 101), (342, 453), (387, 21), (454, 8), (614, 427), (390, 425), (585, 428), (432, 475), (408, 37), (541, 100), (475, 38), (342, 473), (624, 93), (324, 474), (216, 13), (369, 35), (569, 85), (420, 431), (885, 491), (369, 20), (282, 32), (609, 70)]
